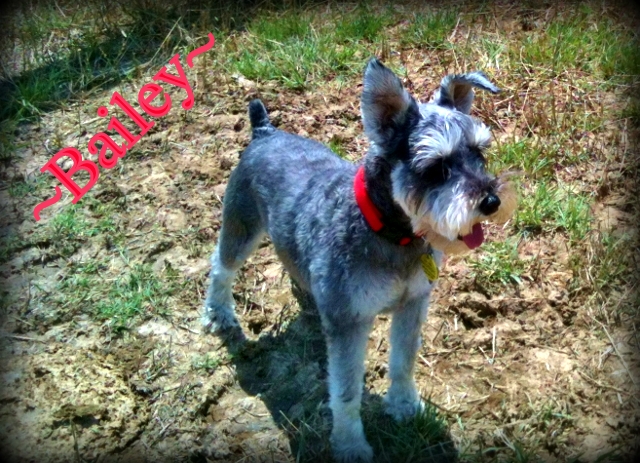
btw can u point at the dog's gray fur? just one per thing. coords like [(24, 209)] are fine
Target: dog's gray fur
[(424, 171)]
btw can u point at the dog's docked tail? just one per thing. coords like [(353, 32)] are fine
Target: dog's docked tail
[(259, 118)]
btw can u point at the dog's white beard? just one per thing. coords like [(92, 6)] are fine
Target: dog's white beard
[(452, 213)]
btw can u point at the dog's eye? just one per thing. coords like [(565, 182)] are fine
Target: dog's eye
[(438, 172), (480, 155)]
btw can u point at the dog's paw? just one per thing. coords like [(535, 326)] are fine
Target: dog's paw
[(402, 409), (219, 320), (355, 451)]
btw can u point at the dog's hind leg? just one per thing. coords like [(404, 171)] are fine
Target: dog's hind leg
[(347, 346), (240, 234)]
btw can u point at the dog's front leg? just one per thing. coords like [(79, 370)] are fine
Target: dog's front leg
[(347, 346), (402, 399)]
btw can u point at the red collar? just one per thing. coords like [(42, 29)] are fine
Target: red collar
[(370, 212)]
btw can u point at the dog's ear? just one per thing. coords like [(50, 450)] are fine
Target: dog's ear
[(386, 106), (456, 90)]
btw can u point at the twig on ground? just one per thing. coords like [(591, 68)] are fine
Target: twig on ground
[(613, 344), (24, 338), (600, 385)]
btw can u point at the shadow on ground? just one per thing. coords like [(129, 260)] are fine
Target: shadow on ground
[(287, 371), (100, 54)]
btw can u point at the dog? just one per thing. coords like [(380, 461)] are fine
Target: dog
[(364, 239)]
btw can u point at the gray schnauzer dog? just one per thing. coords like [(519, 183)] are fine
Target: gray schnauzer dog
[(364, 239)]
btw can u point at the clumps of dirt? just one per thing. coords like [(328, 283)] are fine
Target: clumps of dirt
[(72, 402), (475, 310)]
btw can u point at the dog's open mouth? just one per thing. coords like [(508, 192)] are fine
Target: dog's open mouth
[(475, 238)]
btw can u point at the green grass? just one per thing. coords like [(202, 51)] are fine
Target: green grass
[(361, 25), (498, 265), (207, 363), (610, 261), (493, 49), (430, 30), (547, 208), (9, 245), (61, 237), (69, 223), (337, 146), (282, 28), (297, 50), (582, 41), (134, 295), (72, 54), (522, 156), (608, 267), (422, 438), (140, 294)]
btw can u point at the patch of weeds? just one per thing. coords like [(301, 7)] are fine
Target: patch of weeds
[(9, 245), (140, 293), (5, 301), (573, 215), (284, 49), (337, 146), (609, 259), (521, 155), (82, 284), (206, 363), (422, 438), (7, 135), (363, 24), (513, 451), (520, 453), (498, 264), (608, 267), (310, 437), (81, 280), (18, 188), (493, 49), (622, 60), (104, 214), (131, 296), (73, 53), (292, 25), (290, 69), (23, 187), (69, 223), (584, 41), (430, 30), (631, 111), (64, 233), (294, 50), (553, 208)]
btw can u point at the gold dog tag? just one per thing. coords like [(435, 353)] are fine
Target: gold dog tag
[(429, 267)]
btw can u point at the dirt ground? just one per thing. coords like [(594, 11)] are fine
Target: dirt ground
[(528, 363)]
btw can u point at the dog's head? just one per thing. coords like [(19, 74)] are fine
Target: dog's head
[(436, 156)]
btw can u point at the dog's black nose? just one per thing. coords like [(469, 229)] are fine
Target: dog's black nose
[(490, 204)]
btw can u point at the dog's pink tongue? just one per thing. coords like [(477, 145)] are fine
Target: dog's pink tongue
[(475, 238)]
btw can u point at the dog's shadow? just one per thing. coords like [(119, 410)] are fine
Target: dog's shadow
[(287, 369)]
